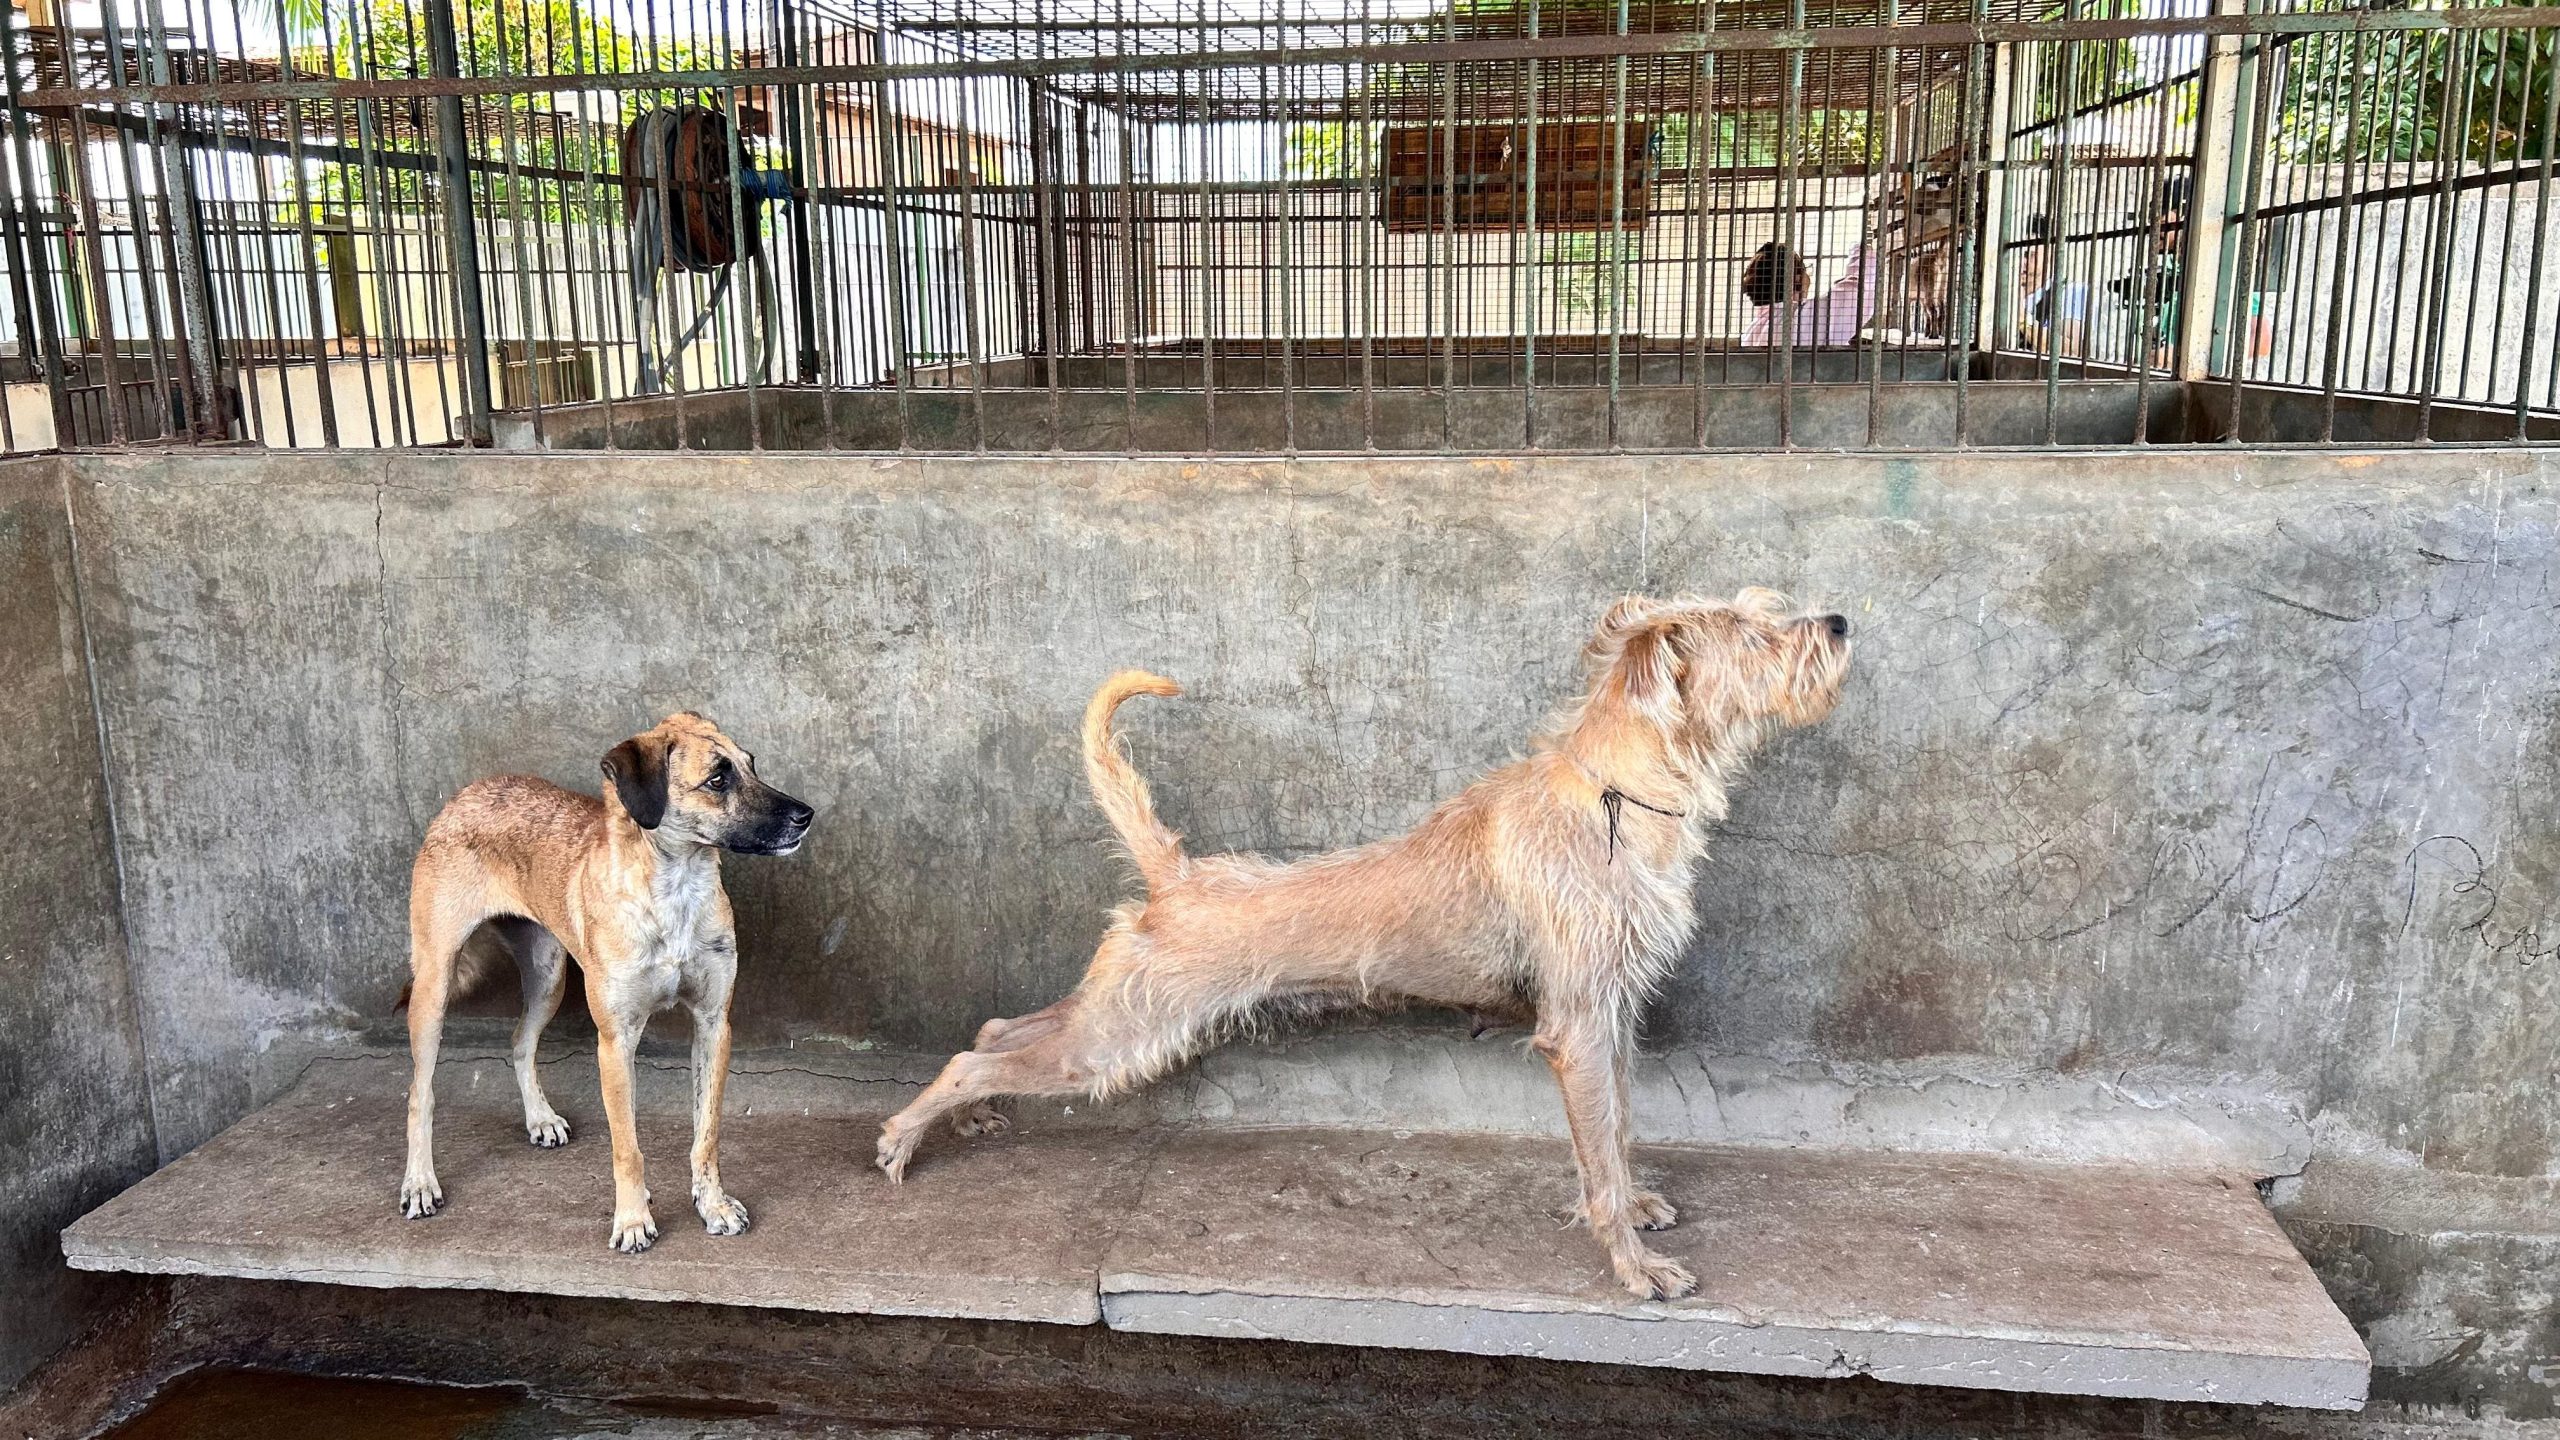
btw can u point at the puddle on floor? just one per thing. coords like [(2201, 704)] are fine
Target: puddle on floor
[(259, 1405), (267, 1405)]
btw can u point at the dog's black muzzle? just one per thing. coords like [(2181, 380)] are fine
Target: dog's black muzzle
[(779, 829)]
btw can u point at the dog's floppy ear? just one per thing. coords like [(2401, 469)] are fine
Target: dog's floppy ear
[(1648, 671), (1761, 600), (637, 770), (1622, 617), (1624, 614)]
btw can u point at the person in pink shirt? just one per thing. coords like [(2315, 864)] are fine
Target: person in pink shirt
[(1834, 318)]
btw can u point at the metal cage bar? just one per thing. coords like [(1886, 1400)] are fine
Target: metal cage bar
[(1327, 225)]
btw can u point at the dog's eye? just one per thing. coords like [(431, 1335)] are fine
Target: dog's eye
[(719, 781)]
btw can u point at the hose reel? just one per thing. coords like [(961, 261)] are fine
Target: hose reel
[(692, 209)]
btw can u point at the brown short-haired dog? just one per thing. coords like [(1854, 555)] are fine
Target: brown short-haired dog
[(629, 885), (1558, 885)]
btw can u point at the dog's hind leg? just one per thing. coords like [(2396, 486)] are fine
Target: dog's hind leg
[(971, 1079), (444, 908), (542, 963), (1137, 1014), (982, 1117), (1058, 1051)]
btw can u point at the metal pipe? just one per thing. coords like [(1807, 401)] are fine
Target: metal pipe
[(26, 240), (2541, 236), (1792, 39), (462, 235), (2452, 139), (810, 360), (2241, 279)]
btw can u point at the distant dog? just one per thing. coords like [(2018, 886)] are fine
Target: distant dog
[(629, 885), (1557, 886)]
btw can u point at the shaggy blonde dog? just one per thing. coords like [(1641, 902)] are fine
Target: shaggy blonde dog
[(1558, 886)]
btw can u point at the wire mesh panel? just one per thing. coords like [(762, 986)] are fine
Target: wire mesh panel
[(1207, 225), (2398, 224)]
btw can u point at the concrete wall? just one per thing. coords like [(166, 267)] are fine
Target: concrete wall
[(2238, 766), (75, 1121), (2231, 764), (1486, 419)]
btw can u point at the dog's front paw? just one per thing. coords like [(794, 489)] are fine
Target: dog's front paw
[(897, 1147), (634, 1233), (1651, 1212), (547, 1132), (720, 1211), (1655, 1277), (980, 1119), (420, 1196)]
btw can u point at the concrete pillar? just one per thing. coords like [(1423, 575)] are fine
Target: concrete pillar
[(2212, 203)]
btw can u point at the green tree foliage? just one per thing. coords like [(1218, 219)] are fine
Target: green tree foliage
[(388, 40), (1821, 139), (2075, 74), (1589, 275), (2344, 99), (1330, 150)]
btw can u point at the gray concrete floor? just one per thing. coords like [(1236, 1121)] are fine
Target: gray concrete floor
[(1970, 1271)]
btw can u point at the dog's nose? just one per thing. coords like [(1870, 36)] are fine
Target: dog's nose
[(801, 813), (1838, 625)]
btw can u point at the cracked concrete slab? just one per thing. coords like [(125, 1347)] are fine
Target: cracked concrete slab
[(303, 1190), (1963, 1270), (1941, 1270)]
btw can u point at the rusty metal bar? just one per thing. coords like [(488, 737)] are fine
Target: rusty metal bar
[(2335, 339), (1373, 202), (808, 360), (1529, 242), (2452, 131), (155, 332), (885, 134), (461, 230), (1981, 106), (1617, 257), (2519, 173), (2242, 298), (1447, 52), (2057, 259), (2541, 237), (1611, 306), (28, 239)]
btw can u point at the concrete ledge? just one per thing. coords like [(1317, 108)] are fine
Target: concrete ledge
[(1387, 1078), (1494, 417), (302, 1191), (1940, 1270), (1414, 1073), (1956, 1270), (1973, 1362)]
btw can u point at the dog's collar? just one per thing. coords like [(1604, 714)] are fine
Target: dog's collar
[(1612, 799)]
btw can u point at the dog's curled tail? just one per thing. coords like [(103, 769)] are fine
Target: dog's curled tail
[(1120, 789)]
